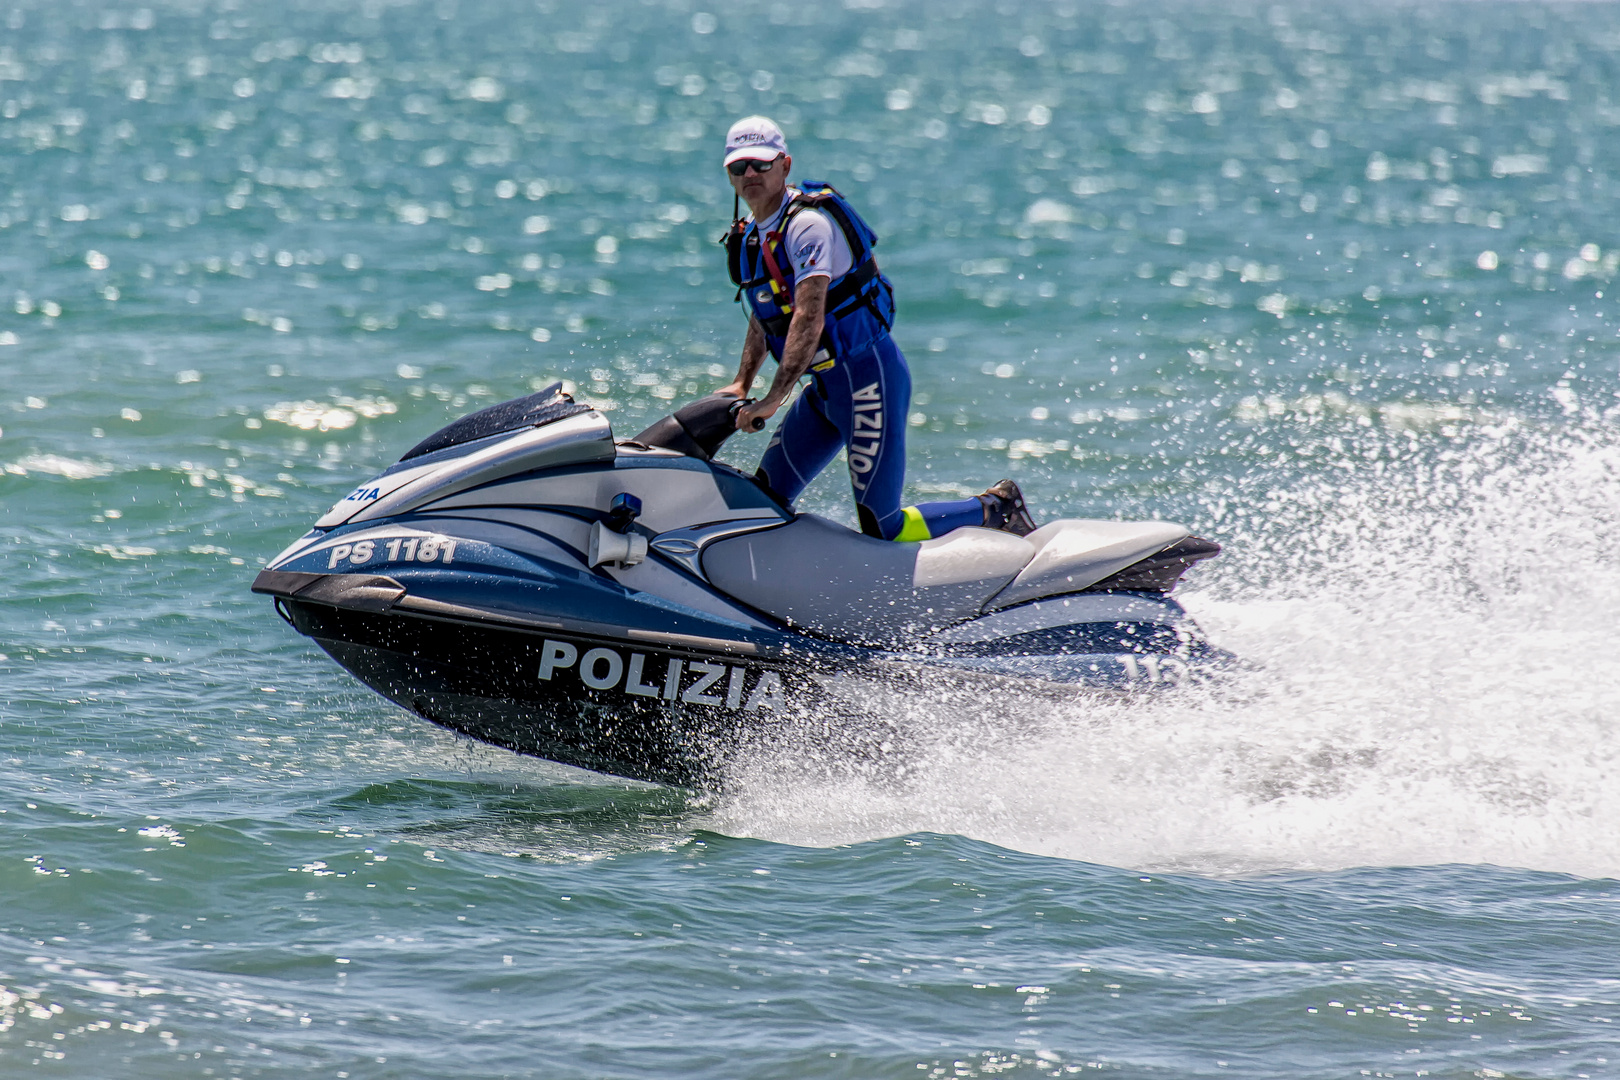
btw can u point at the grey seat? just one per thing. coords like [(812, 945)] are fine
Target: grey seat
[(816, 574)]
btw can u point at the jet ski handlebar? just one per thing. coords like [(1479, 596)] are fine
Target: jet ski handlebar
[(698, 428)]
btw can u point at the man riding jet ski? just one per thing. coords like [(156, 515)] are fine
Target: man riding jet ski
[(637, 608), (802, 263)]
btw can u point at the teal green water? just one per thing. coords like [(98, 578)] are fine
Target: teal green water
[(1327, 283)]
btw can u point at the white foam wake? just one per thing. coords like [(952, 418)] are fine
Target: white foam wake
[(1433, 631)]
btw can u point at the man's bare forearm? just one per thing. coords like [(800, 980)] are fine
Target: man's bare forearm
[(804, 337), (753, 355)]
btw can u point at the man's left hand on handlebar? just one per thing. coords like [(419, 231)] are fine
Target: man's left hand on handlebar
[(752, 417)]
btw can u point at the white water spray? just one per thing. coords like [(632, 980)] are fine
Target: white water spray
[(1432, 630)]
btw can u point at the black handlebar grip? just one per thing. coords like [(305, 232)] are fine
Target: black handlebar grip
[(759, 421)]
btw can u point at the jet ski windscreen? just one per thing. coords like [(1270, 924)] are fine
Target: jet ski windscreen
[(536, 410)]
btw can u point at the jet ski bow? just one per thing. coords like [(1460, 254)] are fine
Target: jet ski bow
[(638, 608)]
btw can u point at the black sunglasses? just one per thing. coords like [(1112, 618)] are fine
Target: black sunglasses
[(737, 168)]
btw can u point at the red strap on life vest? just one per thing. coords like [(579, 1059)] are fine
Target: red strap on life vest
[(773, 269)]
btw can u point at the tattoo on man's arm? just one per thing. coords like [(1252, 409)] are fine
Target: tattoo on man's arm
[(804, 335), (753, 355)]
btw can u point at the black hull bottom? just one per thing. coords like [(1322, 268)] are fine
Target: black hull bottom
[(674, 715), (653, 714)]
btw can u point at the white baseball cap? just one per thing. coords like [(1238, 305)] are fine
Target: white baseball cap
[(754, 138)]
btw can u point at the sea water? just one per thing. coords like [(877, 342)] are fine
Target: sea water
[(1329, 283)]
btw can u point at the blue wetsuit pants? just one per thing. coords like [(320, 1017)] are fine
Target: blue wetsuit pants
[(860, 403)]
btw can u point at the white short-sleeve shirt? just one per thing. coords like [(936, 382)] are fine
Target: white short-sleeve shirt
[(815, 245)]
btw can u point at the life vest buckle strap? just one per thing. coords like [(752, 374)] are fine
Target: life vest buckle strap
[(852, 284), (779, 283)]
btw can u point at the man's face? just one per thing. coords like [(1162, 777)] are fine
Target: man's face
[(755, 186)]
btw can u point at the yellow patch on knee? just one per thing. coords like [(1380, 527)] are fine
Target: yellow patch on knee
[(914, 529)]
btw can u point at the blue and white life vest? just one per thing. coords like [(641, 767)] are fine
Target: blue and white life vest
[(860, 304)]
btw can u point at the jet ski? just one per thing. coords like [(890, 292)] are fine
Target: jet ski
[(638, 608)]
